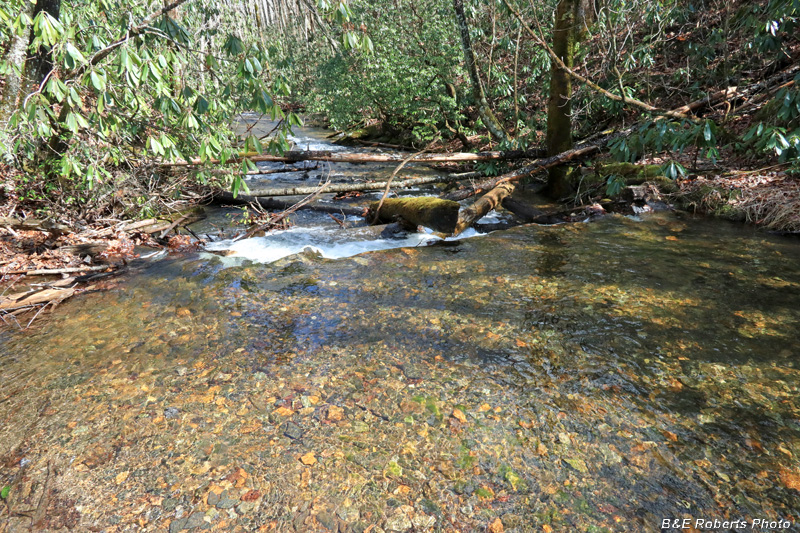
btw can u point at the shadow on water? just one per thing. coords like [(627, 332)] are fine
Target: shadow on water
[(588, 377)]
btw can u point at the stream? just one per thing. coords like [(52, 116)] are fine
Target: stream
[(602, 376)]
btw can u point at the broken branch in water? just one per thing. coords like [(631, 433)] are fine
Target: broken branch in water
[(377, 209), (36, 297), (489, 201), (274, 220)]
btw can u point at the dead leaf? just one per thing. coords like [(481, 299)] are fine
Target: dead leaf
[(790, 479), (496, 526), (251, 496), (459, 415), (335, 413), (308, 459), (283, 411)]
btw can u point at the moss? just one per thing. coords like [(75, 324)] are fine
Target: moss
[(435, 213), (483, 493)]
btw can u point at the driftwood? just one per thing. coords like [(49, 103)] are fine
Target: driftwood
[(371, 157), (33, 224), (435, 213), (29, 299), (154, 225), (56, 271), (350, 187)]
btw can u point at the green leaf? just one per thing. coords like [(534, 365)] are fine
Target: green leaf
[(233, 46), (156, 147), (673, 170), (75, 53), (98, 81), (5, 492)]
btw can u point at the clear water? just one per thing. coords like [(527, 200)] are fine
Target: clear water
[(585, 377)]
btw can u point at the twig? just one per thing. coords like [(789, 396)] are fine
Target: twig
[(53, 271), (340, 222), (308, 199), (36, 315), (396, 170)]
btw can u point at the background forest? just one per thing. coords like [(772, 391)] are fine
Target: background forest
[(98, 95)]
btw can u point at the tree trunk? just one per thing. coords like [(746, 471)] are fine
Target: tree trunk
[(569, 25), (15, 58), (40, 63), (478, 94), (272, 204), (351, 187)]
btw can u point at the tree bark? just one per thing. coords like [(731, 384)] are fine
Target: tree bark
[(350, 187), (569, 24), (470, 215), (279, 205), (14, 79), (435, 213), (478, 93)]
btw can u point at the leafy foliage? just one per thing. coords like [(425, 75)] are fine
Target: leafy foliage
[(167, 93)]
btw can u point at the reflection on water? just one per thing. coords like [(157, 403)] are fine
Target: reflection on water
[(590, 377)]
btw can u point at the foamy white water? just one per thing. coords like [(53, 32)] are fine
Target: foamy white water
[(329, 243)]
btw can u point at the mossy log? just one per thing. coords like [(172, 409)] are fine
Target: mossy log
[(439, 215)]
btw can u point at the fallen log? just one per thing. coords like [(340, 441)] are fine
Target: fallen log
[(536, 166), (470, 215), (260, 172), (279, 205), (370, 157), (435, 213), (33, 224), (351, 187)]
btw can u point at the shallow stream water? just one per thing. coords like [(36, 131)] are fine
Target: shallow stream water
[(604, 376)]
